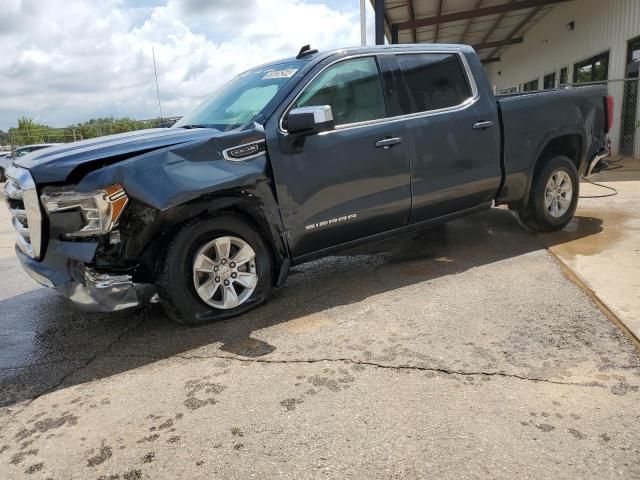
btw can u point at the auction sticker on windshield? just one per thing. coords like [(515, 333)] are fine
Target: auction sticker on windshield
[(284, 73)]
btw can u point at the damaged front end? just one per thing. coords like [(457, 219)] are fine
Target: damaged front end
[(87, 288), (96, 234), (59, 235)]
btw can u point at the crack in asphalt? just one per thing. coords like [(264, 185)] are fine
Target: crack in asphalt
[(103, 354), (44, 364), (445, 371), (72, 372), (97, 354)]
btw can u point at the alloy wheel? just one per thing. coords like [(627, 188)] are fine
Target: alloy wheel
[(224, 272), (558, 193)]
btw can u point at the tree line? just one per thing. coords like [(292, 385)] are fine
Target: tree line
[(30, 132)]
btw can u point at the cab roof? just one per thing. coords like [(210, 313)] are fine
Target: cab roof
[(313, 58)]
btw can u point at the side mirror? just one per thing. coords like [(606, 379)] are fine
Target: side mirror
[(309, 120)]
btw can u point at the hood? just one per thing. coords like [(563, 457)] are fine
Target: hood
[(56, 164)]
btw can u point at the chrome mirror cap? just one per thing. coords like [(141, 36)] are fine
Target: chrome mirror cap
[(310, 120)]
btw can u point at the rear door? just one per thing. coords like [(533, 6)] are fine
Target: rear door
[(455, 135), (348, 183)]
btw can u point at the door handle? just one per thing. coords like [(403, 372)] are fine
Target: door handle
[(482, 125), (387, 143)]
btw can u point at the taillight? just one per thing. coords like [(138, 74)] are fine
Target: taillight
[(609, 119)]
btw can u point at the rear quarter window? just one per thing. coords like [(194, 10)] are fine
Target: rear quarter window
[(434, 80)]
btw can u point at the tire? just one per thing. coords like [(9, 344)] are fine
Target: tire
[(3, 176), (179, 275), (554, 196)]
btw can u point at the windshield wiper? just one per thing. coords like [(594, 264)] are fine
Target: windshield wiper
[(196, 126)]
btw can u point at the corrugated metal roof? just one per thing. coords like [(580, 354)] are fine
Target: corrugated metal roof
[(470, 23)]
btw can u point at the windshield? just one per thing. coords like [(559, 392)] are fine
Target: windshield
[(242, 99)]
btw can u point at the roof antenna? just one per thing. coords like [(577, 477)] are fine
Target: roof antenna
[(306, 50), (155, 71)]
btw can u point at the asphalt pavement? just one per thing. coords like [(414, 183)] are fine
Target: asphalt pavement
[(459, 352)]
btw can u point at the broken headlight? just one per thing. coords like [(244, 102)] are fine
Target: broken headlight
[(100, 209)]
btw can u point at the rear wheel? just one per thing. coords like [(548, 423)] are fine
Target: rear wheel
[(554, 196), (215, 268)]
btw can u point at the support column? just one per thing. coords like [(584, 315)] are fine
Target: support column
[(394, 34), (379, 9)]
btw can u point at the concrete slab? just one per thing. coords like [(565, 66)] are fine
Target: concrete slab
[(601, 245)]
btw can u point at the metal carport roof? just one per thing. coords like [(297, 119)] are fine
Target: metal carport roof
[(490, 26)]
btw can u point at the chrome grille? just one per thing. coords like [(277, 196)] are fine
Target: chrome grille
[(24, 207)]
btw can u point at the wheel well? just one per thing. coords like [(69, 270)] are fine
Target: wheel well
[(155, 253), (569, 146)]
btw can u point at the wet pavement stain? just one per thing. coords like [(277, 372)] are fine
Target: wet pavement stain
[(197, 387), (42, 426), (34, 468), (577, 434), (248, 347), (150, 438), (326, 382), (166, 424), (585, 235), (103, 455), (133, 475), (624, 388), (290, 403), (545, 427), (20, 456)]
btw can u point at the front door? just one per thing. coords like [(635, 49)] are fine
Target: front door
[(344, 184)]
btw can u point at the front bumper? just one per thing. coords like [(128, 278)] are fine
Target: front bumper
[(86, 288)]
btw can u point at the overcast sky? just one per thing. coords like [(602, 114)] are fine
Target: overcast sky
[(66, 61)]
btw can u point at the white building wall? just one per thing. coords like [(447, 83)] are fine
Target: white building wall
[(600, 25)]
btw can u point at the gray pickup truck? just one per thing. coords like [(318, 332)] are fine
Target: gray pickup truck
[(291, 161)]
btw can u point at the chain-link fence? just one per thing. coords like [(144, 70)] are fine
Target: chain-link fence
[(29, 136), (630, 118)]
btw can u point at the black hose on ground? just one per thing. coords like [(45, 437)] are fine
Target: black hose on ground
[(615, 192)]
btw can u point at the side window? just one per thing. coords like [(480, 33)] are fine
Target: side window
[(434, 80), (594, 69), (352, 88), (549, 81), (530, 86), (564, 76)]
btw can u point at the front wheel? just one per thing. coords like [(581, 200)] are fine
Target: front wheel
[(215, 268), (554, 196)]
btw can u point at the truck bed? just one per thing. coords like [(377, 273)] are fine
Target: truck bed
[(529, 120)]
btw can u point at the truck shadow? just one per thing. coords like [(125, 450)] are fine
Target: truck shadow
[(46, 344)]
